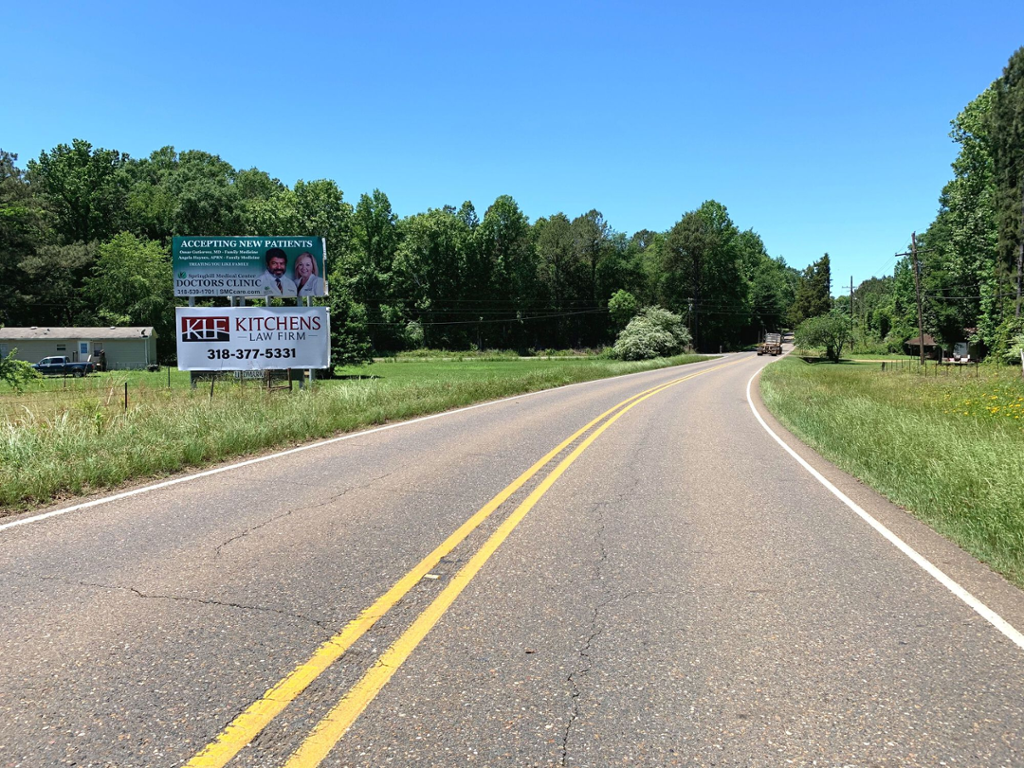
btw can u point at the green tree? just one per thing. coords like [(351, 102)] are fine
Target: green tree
[(254, 184), (770, 291), (704, 276), (871, 300), (590, 233), (373, 246), (151, 204), (22, 230), (1015, 351), (131, 285), (830, 332), (431, 265), (271, 216), (53, 280), (768, 295), (814, 292), (960, 276), (504, 247), (622, 307), (619, 268), (565, 285), (321, 210), (206, 200), (268, 207), (1006, 145), (85, 189), (350, 341), (901, 308), (187, 193), (649, 261), (596, 249)]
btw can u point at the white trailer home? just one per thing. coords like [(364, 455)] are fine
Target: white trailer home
[(119, 348)]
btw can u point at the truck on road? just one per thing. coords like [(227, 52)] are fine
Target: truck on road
[(62, 366), (772, 344)]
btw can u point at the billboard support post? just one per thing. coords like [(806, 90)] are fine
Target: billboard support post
[(309, 303)]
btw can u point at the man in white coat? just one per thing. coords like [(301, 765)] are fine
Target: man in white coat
[(274, 281)]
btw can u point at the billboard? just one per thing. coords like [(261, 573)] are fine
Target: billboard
[(252, 338), (278, 267)]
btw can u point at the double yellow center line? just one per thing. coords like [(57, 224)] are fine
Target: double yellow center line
[(247, 725)]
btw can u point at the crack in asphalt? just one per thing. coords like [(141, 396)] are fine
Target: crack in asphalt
[(586, 663), (575, 692), (324, 503), (224, 604), (202, 601)]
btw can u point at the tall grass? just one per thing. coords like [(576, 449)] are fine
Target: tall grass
[(55, 448), (950, 448)]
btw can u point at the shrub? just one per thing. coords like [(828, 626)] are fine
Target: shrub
[(16, 372), (622, 308), (413, 335), (1013, 354), (350, 341), (830, 332), (654, 332)]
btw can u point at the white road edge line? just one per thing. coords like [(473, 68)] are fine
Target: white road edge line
[(310, 446), (974, 603)]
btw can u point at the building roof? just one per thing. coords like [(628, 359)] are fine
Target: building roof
[(916, 341), (102, 333)]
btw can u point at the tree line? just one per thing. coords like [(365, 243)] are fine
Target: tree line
[(971, 257), (85, 240)]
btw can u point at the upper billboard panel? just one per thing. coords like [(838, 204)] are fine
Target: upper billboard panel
[(277, 267)]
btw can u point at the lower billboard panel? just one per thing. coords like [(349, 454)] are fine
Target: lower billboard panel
[(252, 338)]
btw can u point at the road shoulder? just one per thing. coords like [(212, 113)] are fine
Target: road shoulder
[(973, 575)]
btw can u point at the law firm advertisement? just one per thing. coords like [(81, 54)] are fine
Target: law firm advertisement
[(270, 267), (252, 338)]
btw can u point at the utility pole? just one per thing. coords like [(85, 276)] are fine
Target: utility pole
[(914, 250), (851, 314), (917, 286), (1020, 251)]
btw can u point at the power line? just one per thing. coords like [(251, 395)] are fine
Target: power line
[(500, 320)]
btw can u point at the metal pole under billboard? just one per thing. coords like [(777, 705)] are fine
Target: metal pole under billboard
[(309, 303)]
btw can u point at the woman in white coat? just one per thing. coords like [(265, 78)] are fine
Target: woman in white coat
[(307, 281)]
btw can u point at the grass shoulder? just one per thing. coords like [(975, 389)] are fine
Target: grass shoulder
[(946, 445)]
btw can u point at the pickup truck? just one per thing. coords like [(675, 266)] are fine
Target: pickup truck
[(62, 366)]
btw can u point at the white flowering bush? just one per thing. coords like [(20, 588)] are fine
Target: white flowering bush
[(654, 332), (1013, 354)]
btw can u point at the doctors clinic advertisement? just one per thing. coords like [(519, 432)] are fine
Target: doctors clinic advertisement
[(252, 338), (278, 267)]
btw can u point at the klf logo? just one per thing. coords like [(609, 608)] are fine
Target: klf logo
[(205, 329)]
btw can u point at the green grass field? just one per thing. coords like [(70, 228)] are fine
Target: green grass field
[(947, 444), (63, 438)]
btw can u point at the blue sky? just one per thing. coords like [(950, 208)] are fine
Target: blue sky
[(824, 129)]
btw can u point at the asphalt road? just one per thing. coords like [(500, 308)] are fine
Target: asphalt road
[(671, 588)]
